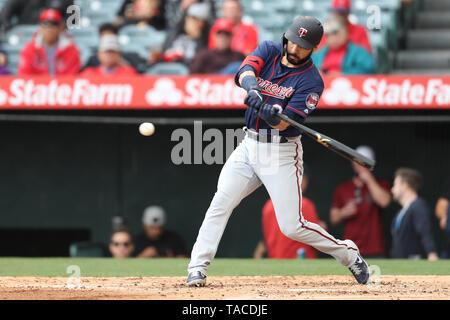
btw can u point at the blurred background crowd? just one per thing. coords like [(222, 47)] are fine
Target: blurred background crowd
[(180, 36)]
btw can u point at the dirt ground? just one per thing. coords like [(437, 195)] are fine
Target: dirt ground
[(221, 288)]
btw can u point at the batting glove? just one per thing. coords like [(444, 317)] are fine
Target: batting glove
[(268, 114), (254, 98)]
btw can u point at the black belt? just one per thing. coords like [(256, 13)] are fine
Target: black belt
[(264, 137)]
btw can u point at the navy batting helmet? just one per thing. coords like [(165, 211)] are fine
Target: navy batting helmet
[(304, 31)]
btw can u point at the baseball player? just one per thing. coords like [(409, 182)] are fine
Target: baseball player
[(278, 77)]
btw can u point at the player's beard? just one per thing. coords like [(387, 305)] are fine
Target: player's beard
[(297, 61)]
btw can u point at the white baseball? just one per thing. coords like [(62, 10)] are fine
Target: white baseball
[(147, 129)]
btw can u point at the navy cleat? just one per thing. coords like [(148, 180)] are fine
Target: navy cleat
[(360, 270), (196, 279)]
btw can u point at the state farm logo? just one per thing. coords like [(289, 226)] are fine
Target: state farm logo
[(195, 91), (30, 92), (164, 92), (341, 92)]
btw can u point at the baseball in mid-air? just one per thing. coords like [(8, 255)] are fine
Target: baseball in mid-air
[(147, 128)]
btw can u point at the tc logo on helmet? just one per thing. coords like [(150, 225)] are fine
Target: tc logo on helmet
[(302, 32)]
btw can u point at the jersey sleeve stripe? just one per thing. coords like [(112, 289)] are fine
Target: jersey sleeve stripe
[(298, 111), (254, 61)]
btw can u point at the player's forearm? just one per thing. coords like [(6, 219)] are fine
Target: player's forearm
[(245, 74), (381, 197)]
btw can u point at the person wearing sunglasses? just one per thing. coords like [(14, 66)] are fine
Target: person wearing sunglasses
[(121, 245), (340, 55), (51, 50)]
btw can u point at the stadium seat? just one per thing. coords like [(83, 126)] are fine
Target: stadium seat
[(384, 4), (271, 6), (314, 5), (169, 68), (13, 62), (264, 35), (85, 52), (276, 21), (87, 249), (143, 32), (19, 35), (99, 5), (140, 39), (85, 36)]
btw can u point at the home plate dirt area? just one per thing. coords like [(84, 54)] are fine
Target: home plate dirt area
[(222, 288)]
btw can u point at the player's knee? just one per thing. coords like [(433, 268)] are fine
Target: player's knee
[(294, 231), (290, 230)]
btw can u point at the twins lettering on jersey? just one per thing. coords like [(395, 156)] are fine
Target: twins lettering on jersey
[(274, 90)]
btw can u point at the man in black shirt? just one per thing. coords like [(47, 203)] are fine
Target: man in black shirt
[(156, 241), (411, 228), (443, 214)]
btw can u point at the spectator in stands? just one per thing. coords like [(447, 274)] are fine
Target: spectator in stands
[(443, 214), (111, 61), (245, 35), (358, 204), (132, 58), (176, 11), (340, 55), (27, 11), (3, 63), (183, 43), (157, 241), (411, 228), (151, 12), (275, 244), (51, 51), (121, 245), (214, 61), (357, 33)]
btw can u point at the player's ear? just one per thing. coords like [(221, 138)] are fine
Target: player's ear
[(314, 49)]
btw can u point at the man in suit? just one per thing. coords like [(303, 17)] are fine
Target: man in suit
[(411, 228)]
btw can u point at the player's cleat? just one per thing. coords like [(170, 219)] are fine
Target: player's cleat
[(360, 270), (196, 279)]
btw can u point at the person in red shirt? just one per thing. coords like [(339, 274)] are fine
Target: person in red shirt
[(358, 204), (357, 33), (245, 35), (111, 61), (276, 245), (51, 51)]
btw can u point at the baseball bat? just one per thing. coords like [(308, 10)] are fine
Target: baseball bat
[(331, 143)]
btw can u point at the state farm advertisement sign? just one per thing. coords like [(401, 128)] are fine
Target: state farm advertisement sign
[(392, 92), (203, 92)]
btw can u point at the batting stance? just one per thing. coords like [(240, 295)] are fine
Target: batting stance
[(277, 78)]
